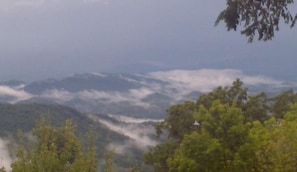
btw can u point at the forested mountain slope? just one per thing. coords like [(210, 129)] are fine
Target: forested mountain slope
[(23, 117)]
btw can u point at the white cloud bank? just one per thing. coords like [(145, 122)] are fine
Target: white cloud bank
[(138, 135), (178, 84), (126, 119), (58, 95), (15, 94), (205, 80), (133, 96)]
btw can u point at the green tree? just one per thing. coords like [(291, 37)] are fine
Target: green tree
[(179, 121), (235, 94), (197, 152), (226, 143), (236, 132), (215, 147), (281, 103), (176, 125), (182, 116), (56, 149), (158, 155), (256, 108), (259, 18), (274, 143)]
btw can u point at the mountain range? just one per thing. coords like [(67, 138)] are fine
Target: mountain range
[(134, 95)]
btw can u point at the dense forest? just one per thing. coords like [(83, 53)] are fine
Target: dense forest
[(229, 130)]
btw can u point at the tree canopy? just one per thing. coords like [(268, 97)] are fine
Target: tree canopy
[(56, 149), (236, 132), (258, 18)]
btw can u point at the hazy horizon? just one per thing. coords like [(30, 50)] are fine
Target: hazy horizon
[(52, 39)]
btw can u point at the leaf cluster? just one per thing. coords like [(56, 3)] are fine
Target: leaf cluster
[(259, 18)]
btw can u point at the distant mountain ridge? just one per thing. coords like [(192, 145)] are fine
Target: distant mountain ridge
[(79, 82), (134, 95)]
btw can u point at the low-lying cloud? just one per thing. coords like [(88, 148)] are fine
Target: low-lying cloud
[(14, 94), (138, 135), (126, 119), (58, 95), (133, 96), (175, 84), (205, 80)]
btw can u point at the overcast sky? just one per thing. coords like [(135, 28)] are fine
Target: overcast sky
[(55, 38)]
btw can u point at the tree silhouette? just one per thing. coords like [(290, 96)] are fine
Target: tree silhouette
[(259, 18)]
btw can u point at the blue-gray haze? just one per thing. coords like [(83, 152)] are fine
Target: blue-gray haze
[(55, 38)]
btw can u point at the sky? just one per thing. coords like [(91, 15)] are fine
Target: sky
[(56, 38)]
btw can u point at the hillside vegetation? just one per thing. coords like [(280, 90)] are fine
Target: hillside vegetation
[(24, 117)]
